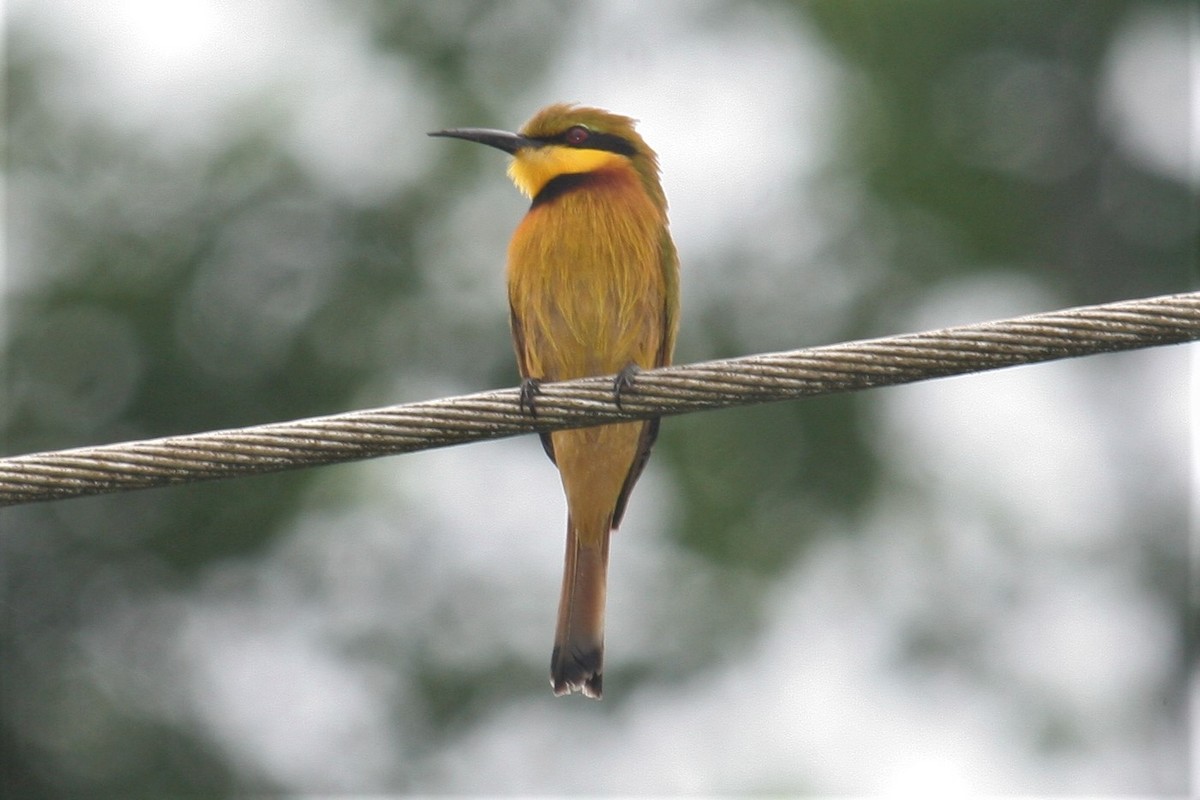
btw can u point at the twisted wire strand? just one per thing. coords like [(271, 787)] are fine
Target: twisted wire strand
[(848, 366)]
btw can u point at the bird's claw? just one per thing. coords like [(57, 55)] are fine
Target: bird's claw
[(624, 382), (530, 388)]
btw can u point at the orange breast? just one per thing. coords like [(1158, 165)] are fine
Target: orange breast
[(586, 282)]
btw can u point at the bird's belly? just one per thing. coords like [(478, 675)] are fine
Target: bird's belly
[(589, 304), (586, 329)]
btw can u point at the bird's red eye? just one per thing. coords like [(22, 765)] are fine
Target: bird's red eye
[(577, 135)]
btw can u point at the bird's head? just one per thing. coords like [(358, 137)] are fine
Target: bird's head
[(566, 139)]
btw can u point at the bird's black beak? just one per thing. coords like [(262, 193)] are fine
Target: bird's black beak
[(503, 140)]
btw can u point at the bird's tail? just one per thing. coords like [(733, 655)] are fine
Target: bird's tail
[(577, 662)]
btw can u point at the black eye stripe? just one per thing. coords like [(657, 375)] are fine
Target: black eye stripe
[(595, 141)]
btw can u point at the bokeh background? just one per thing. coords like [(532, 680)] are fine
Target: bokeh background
[(221, 214)]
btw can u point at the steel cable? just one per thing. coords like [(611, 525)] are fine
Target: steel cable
[(849, 366)]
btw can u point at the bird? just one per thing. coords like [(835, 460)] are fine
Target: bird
[(593, 289)]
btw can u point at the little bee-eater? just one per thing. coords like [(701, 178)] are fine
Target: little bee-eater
[(593, 289)]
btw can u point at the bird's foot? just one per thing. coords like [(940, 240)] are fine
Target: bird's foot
[(530, 388), (624, 382)]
